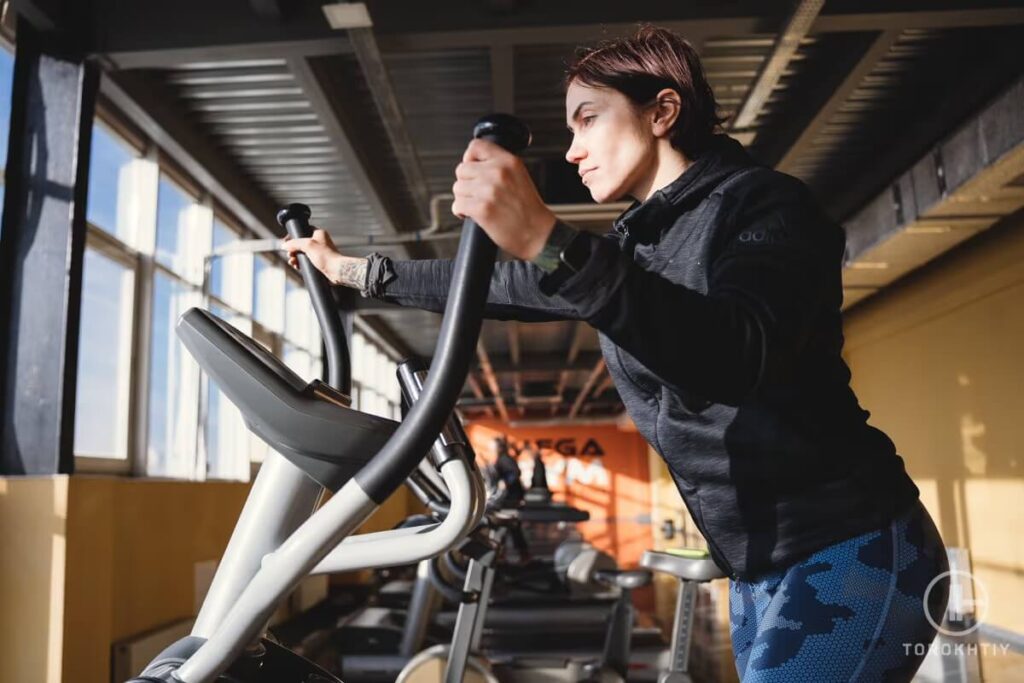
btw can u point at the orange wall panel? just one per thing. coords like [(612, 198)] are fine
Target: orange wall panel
[(598, 468)]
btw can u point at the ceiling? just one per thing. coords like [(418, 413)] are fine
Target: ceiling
[(366, 124)]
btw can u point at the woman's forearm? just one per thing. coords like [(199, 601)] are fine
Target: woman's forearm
[(349, 271)]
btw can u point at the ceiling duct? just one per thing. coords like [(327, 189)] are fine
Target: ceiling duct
[(962, 186)]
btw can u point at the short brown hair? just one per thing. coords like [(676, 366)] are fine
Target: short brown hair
[(643, 65)]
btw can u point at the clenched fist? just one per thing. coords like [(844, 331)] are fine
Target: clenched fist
[(493, 188)]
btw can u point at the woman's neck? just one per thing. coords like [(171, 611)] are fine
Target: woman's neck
[(669, 164)]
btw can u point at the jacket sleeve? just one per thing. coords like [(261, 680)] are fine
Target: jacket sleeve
[(514, 292), (773, 261)]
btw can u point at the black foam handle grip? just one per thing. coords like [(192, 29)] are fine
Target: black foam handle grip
[(456, 343), (504, 130), (294, 218)]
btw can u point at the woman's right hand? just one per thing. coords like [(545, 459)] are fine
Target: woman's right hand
[(343, 270)]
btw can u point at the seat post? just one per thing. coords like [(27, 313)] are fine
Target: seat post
[(619, 635), (682, 629)]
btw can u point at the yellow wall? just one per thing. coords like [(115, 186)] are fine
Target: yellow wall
[(33, 512), (87, 561), (132, 549), (938, 360)]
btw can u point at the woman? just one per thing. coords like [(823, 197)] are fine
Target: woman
[(717, 299)]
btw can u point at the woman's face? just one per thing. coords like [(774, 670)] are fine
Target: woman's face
[(611, 145)]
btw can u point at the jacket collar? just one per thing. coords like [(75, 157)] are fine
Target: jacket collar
[(721, 158)]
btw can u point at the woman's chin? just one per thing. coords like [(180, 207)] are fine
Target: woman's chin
[(606, 196)]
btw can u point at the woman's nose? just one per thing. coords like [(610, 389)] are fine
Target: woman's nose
[(575, 153)]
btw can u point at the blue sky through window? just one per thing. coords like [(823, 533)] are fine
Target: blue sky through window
[(99, 426), (172, 205), (6, 83), (107, 164)]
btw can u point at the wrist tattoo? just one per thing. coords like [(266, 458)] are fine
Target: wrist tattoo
[(352, 273)]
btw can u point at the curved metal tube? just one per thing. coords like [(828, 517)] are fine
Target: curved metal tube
[(405, 546)]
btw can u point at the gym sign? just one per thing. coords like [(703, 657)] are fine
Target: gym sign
[(567, 447)]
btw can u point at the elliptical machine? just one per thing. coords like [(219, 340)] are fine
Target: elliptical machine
[(318, 443)]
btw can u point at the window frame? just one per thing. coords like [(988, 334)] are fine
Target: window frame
[(117, 251), (136, 251)]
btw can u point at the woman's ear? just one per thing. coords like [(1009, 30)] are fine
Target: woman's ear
[(666, 110)]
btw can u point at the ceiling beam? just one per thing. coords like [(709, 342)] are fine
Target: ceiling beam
[(578, 332), (695, 30), (354, 161), (200, 55), (604, 386), (585, 391), (512, 331), (786, 45), (478, 392), (924, 19), (491, 379), (158, 34), (376, 74), (536, 363), (878, 49)]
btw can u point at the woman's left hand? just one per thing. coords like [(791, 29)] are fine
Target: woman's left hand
[(493, 188)]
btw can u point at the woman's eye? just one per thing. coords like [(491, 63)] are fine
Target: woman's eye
[(587, 119)]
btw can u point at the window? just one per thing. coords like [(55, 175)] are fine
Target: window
[(6, 84), (111, 185), (375, 387), (268, 294), (104, 357), (104, 394), (173, 384), (182, 240), (143, 402), (224, 432)]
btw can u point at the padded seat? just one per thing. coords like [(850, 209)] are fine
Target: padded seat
[(625, 580), (688, 564)]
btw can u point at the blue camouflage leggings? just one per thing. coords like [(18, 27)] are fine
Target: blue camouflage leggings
[(847, 612)]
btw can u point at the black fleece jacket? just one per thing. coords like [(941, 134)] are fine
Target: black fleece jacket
[(717, 303)]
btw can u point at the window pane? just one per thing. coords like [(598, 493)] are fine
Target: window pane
[(258, 448), (231, 275), (104, 357), (298, 360), (226, 436), (360, 358), (298, 309), (221, 235), (180, 244), (268, 294), (173, 385), (110, 166), (6, 82)]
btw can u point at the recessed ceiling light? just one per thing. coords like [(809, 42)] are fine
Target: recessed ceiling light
[(346, 15)]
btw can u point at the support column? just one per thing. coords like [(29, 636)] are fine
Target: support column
[(42, 247)]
